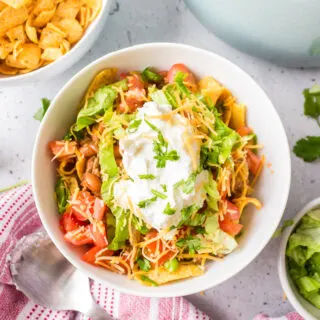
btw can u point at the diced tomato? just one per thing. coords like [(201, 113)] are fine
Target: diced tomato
[(254, 162), (98, 234), (90, 255), (229, 226), (99, 209), (63, 149), (84, 205), (180, 67), (123, 75), (68, 222), (232, 211), (244, 131), (135, 82), (152, 246), (79, 236), (166, 257)]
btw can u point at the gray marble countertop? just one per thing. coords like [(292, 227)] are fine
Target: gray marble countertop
[(257, 288)]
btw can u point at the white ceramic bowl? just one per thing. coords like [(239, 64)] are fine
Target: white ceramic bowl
[(272, 189), (67, 60), (303, 307)]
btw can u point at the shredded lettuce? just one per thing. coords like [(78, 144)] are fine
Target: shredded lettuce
[(62, 195), (158, 96), (121, 230), (101, 101), (213, 195), (149, 75), (303, 257)]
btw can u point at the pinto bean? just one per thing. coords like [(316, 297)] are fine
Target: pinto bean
[(92, 182)]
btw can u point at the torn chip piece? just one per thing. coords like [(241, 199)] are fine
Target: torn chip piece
[(16, 4), (30, 56), (11, 18), (31, 32), (17, 34), (51, 54), (72, 28)]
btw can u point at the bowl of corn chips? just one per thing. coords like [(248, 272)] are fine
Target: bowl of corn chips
[(41, 38)]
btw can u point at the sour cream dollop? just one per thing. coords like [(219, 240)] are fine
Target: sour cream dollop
[(138, 153)]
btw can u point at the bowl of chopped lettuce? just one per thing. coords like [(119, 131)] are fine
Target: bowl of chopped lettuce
[(299, 261), (156, 171)]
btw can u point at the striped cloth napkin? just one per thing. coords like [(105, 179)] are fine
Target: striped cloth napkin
[(19, 217)]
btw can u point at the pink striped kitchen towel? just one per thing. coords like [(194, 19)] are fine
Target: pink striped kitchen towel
[(18, 217)]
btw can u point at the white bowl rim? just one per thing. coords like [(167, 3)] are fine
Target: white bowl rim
[(286, 186), (11, 79), (282, 269)]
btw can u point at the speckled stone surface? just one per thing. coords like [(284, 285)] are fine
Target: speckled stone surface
[(257, 288)]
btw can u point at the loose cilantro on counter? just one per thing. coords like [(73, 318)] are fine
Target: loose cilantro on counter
[(42, 111), (308, 148)]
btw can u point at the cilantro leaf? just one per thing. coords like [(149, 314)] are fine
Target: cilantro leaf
[(147, 176), (158, 194), (144, 264), (147, 202), (42, 111), (160, 148), (191, 243), (308, 148), (134, 125), (168, 210), (312, 102)]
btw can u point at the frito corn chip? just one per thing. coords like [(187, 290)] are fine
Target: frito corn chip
[(17, 34), (51, 54), (68, 9), (95, 6), (50, 39), (10, 18), (56, 28), (43, 5), (2, 6), (4, 69), (85, 14), (12, 61), (43, 18), (31, 32), (17, 48), (72, 28), (6, 47), (65, 46), (30, 55), (17, 3), (104, 77)]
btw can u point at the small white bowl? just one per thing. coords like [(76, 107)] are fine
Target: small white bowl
[(272, 188), (303, 307), (67, 60)]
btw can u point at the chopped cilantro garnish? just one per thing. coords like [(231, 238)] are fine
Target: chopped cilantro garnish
[(134, 125), (42, 111), (164, 187), (147, 176), (168, 210), (147, 202), (160, 148), (158, 194)]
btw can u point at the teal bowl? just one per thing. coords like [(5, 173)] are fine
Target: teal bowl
[(286, 32)]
